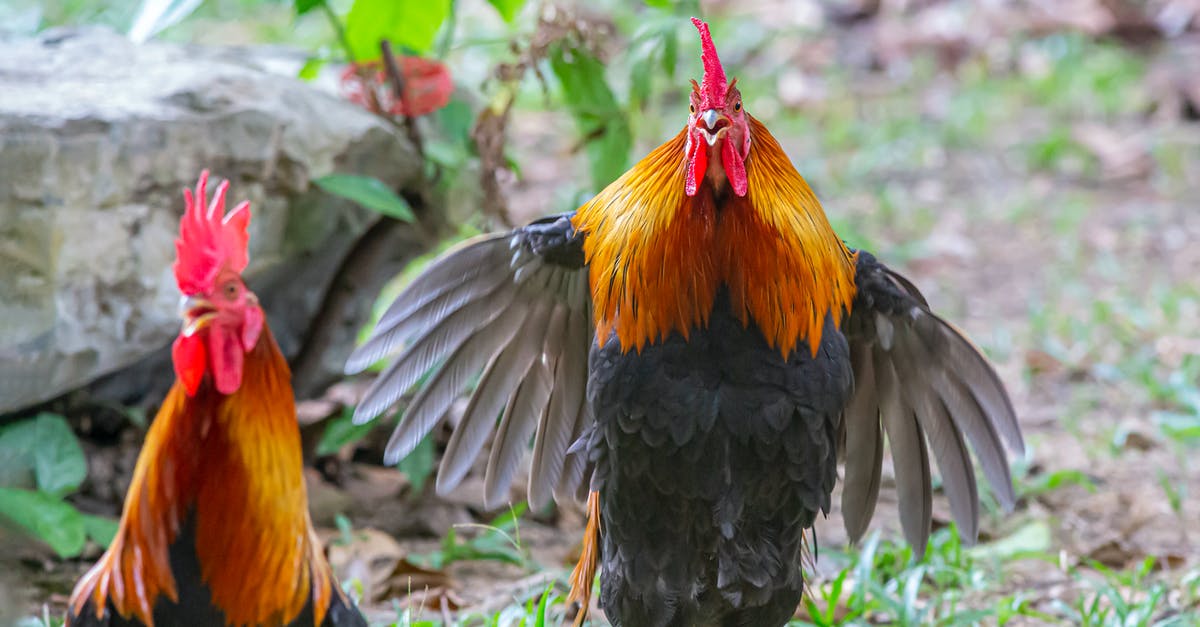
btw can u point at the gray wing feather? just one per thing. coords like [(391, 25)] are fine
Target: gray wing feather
[(526, 411), (513, 305), (564, 414), (860, 487), (430, 404), (914, 489), (428, 349), (931, 388), (949, 449)]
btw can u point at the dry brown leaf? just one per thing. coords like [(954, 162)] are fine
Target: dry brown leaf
[(1122, 156)]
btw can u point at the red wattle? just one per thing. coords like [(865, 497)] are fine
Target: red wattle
[(735, 167), (697, 165), (191, 361), (226, 355)]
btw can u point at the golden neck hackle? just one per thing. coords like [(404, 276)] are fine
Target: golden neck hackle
[(657, 258), (233, 464)]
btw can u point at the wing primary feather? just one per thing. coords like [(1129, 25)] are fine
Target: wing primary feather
[(520, 418), (968, 363), (909, 456), (388, 334), (564, 414), (431, 403), (517, 426), (575, 483), (949, 449), (449, 272), (459, 270), (967, 414), (418, 358), (497, 386), (860, 488)]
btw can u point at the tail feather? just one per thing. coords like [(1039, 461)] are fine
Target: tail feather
[(583, 577)]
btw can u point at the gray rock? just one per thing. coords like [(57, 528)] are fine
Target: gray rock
[(98, 137)]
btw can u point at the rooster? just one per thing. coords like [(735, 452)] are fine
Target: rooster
[(694, 349), (216, 529)]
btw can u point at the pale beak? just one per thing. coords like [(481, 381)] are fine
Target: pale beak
[(196, 312), (717, 125)]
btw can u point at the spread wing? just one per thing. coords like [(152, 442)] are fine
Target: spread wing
[(924, 385), (514, 306)]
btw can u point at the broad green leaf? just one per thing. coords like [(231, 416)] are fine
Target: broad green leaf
[(342, 431), (46, 445), (46, 518), (597, 114), (367, 191), (100, 529), (419, 464), (449, 155), (508, 9), (411, 24), (304, 6)]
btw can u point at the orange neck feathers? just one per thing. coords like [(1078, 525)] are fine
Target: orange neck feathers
[(657, 257), (234, 464)]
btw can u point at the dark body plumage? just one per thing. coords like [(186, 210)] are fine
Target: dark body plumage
[(712, 456)]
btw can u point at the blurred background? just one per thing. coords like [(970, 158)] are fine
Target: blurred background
[(1033, 166)]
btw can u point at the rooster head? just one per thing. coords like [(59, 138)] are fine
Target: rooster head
[(717, 125), (221, 317)]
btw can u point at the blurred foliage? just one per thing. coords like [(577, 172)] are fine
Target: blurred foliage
[(40, 463), (498, 541), (369, 192)]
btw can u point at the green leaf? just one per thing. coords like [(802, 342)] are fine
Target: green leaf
[(508, 9), (100, 529), (1033, 539), (46, 445), (311, 68), (599, 117), (367, 191), (304, 6), (411, 24), (640, 80), (670, 52), (456, 119), (418, 465), (342, 431), (46, 518)]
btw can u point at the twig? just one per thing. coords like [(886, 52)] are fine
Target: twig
[(397, 80), (338, 29)]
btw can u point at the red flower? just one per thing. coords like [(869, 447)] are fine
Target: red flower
[(427, 86)]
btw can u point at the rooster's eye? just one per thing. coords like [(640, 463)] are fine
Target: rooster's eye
[(231, 290), (692, 108), (737, 106)]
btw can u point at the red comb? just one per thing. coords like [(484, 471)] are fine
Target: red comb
[(209, 239), (713, 85)]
